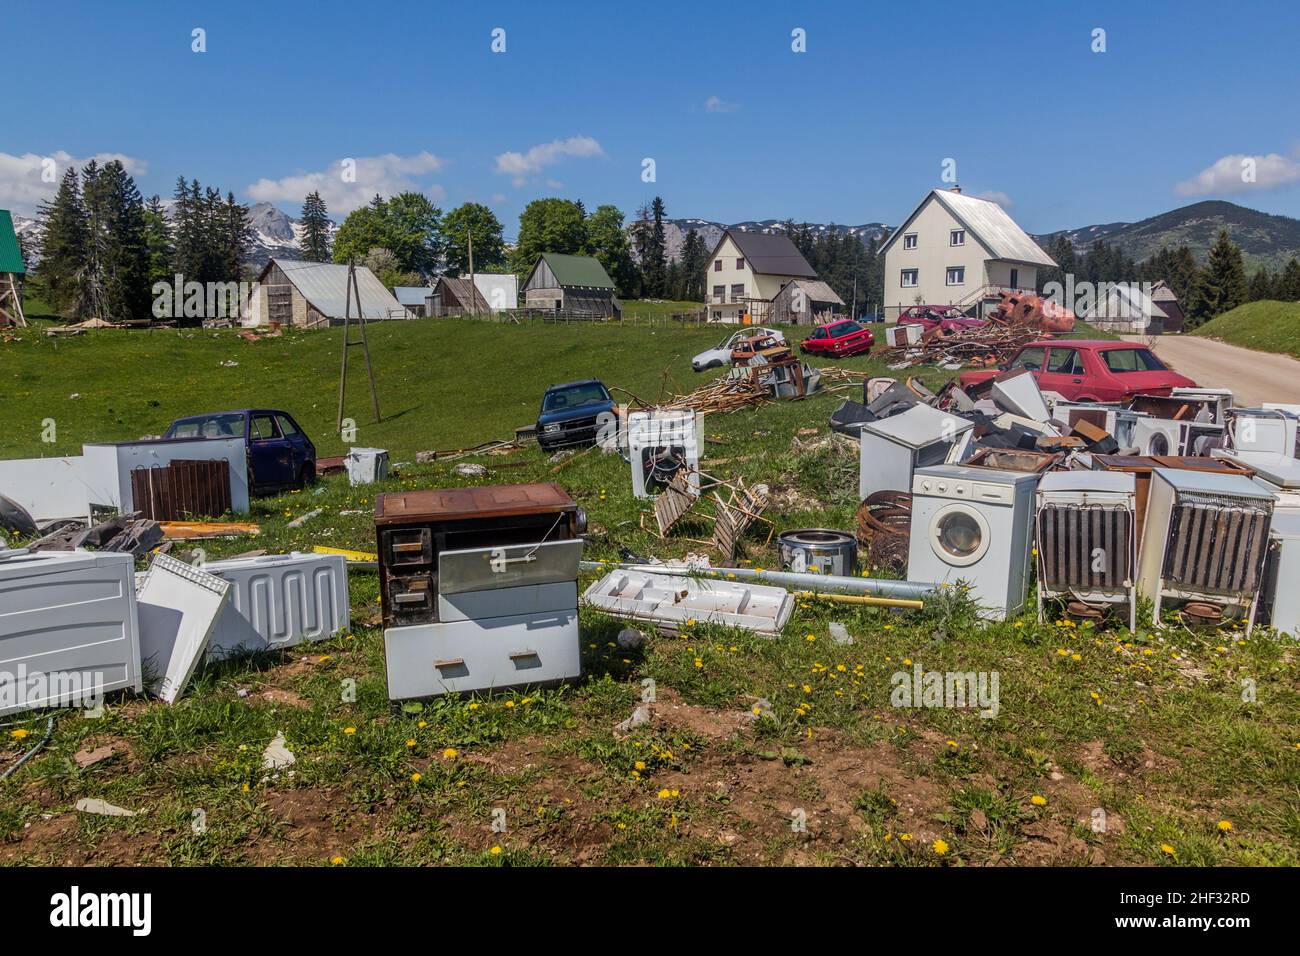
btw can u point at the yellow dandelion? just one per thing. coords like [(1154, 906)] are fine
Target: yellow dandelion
[(336, 860), (349, 730), (416, 777), (1167, 849), (495, 851), (19, 734), (450, 753), (410, 743), (1038, 800), (509, 704), (665, 793), (640, 765), (940, 847), (1225, 825)]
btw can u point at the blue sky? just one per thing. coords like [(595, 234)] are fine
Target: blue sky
[(853, 130)]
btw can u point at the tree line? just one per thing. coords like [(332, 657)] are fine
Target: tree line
[(1203, 290)]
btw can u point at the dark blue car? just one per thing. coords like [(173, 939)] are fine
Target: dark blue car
[(574, 414), (280, 455)]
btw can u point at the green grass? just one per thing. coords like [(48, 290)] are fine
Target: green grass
[(1152, 728), (1267, 326)]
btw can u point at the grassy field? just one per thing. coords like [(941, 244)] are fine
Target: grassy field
[(1268, 326), (1150, 728)]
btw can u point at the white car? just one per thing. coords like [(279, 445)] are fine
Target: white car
[(720, 354)]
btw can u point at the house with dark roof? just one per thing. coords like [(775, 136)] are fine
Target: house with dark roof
[(11, 273), (958, 250), (758, 277), (452, 296), (314, 294), (578, 285)]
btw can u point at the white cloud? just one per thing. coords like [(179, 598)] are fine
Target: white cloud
[(23, 185), (1229, 174), (993, 195), (348, 184), (498, 198), (716, 104), (519, 166)]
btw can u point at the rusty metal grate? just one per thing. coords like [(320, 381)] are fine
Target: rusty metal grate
[(1217, 544), (1085, 547)]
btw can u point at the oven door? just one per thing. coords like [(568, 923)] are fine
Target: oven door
[(509, 566), (959, 534)]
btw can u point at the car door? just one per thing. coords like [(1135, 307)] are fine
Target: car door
[(270, 456), (817, 341), (1063, 372), (297, 442)]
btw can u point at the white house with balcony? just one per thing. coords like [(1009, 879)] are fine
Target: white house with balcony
[(747, 273), (958, 250)]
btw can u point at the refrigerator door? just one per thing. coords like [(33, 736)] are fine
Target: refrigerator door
[(483, 569)]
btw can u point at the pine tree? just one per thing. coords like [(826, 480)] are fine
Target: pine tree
[(1288, 282), (63, 249), (316, 229), (1261, 285), (694, 263), (187, 253), (118, 238), (158, 242), (654, 258), (236, 235), (1222, 283)]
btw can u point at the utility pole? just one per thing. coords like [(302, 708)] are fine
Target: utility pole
[(351, 293)]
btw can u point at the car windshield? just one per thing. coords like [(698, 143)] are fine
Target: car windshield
[(843, 328), (574, 396), (230, 425), (1132, 360)]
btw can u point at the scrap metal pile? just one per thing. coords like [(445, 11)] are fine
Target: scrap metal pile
[(1016, 321)]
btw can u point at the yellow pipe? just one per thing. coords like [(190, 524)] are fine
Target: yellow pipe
[(863, 599)]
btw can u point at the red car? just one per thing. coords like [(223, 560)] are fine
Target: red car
[(839, 339), (950, 318), (1089, 370)]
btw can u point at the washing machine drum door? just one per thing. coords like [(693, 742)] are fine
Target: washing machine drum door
[(959, 535)]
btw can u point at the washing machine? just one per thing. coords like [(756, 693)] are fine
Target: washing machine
[(975, 526)]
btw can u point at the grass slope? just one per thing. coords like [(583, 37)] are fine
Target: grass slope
[(1268, 326), (1152, 727)]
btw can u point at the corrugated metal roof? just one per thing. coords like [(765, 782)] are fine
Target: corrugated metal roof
[(411, 294), (583, 271), (816, 290), (986, 221), (325, 286), (992, 226), (11, 255), (769, 254)]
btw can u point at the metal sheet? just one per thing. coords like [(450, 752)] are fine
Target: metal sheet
[(68, 628), (279, 601), (669, 601), (178, 606), (480, 569)]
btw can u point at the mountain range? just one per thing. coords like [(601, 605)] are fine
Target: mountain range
[(1265, 239)]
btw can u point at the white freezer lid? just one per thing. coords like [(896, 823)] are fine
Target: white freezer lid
[(482, 569), (1285, 524), (919, 426), (20, 563), (262, 562), (1212, 483), (1115, 482), (986, 475)]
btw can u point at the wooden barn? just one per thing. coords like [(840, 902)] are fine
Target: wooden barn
[(450, 296), (806, 302), (312, 294), (577, 285), (11, 273)]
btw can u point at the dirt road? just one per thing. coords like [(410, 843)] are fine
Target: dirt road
[(1254, 377)]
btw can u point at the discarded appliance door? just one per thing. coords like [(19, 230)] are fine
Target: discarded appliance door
[(1281, 598), (366, 465), (669, 601), (179, 606), (279, 600), (68, 628)]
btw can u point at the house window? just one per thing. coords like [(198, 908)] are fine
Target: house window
[(737, 291), (909, 278), (717, 265), (720, 293), (740, 263), (909, 240), (1015, 278), (956, 275), (957, 237)]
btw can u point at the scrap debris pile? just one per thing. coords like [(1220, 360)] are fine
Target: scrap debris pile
[(1016, 321)]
